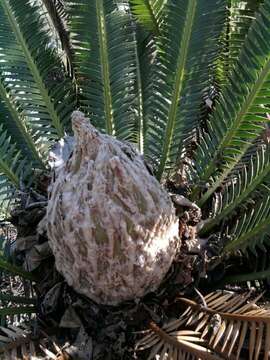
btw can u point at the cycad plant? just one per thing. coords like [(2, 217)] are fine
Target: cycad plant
[(169, 91)]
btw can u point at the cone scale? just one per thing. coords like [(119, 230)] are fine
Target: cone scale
[(111, 225)]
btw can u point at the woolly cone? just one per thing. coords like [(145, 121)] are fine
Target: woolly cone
[(111, 226)]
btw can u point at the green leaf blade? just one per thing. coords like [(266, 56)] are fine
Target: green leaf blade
[(236, 108), (146, 12), (102, 36), (182, 74), (31, 58), (252, 229)]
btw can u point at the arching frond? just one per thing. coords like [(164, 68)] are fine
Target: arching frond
[(192, 28), (244, 186), (238, 117), (247, 277), (17, 129), (102, 35), (57, 13), (146, 50), (14, 169), (239, 19), (250, 154), (252, 229), (148, 13), (31, 71), (13, 269), (140, 88), (11, 164), (252, 270)]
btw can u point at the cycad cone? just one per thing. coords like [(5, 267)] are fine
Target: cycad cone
[(111, 226)]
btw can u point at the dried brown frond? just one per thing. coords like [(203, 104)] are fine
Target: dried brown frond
[(16, 342), (182, 344), (230, 326)]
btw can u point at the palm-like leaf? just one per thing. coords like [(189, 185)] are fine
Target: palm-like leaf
[(57, 13), (239, 19), (252, 229), (181, 76), (254, 276), (146, 50), (13, 168), (238, 117), (141, 86), (248, 183), (30, 67), (253, 269), (104, 56), (148, 13), (17, 129), (13, 269)]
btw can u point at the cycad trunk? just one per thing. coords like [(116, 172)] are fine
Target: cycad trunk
[(111, 225)]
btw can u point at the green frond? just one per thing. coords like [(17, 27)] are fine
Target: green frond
[(145, 59), (239, 19), (11, 164), (140, 129), (252, 229), (16, 270), (239, 116), (242, 187), (102, 36), (31, 70), (148, 13), (253, 269), (19, 131), (247, 277), (188, 47), (57, 13), (250, 154), (14, 170)]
